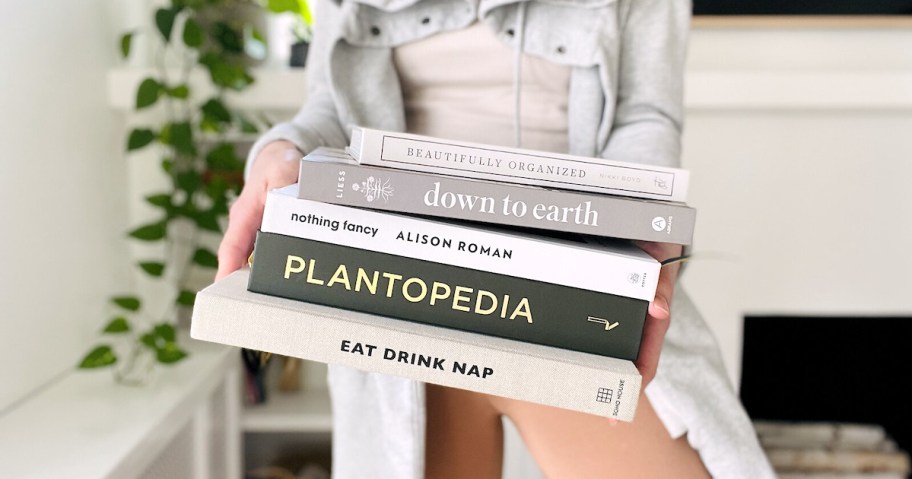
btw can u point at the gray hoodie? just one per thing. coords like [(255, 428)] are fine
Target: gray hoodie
[(625, 103)]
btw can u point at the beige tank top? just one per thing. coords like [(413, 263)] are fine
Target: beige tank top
[(459, 85)]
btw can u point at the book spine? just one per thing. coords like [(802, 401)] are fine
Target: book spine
[(447, 296), (529, 257), (226, 314), (511, 165), (496, 203)]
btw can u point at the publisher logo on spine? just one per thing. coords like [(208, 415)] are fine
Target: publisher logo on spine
[(374, 189), (604, 395), (659, 223)]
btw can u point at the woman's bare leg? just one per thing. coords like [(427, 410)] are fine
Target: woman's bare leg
[(568, 444), (464, 435)]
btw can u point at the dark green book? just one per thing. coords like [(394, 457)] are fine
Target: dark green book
[(448, 296)]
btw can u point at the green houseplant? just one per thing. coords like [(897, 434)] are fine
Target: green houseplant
[(215, 41)]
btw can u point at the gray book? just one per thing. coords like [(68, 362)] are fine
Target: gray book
[(227, 313), (332, 176)]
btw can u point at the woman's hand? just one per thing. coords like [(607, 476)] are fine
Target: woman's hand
[(276, 166), (658, 317)]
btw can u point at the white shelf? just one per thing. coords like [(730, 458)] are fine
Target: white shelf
[(86, 425), (305, 411)]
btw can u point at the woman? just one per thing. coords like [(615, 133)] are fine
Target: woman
[(598, 78)]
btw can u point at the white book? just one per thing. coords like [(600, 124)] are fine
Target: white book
[(616, 268), (515, 165), (227, 313)]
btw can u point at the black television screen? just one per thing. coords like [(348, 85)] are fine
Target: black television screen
[(803, 7), (833, 369)]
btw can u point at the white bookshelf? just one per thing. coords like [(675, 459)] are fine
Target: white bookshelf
[(304, 411), (182, 424)]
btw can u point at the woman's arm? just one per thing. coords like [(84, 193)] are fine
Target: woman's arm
[(647, 128), (274, 159), (649, 113)]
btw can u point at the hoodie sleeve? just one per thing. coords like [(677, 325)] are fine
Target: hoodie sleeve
[(649, 113), (317, 122)]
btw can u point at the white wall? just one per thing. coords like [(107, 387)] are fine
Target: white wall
[(61, 188), (800, 147)]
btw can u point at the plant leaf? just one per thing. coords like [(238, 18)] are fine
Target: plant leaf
[(148, 93), (126, 41), (117, 325), (193, 34), (247, 126), (208, 220), (229, 38), (225, 74), (204, 257), (164, 20), (216, 111), (149, 340), (170, 354), (153, 268), (181, 92), (99, 357), (223, 157), (186, 298), (166, 332), (150, 232), (130, 303), (181, 138), (139, 138), (188, 181), (162, 200)]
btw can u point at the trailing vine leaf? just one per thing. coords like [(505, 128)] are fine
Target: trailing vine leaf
[(150, 232), (117, 325), (99, 357), (167, 165), (204, 257), (225, 74), (193, 34), (148, 93), (208, 221), (149, 340), (166, 332), (181, 92), (139, 138), (164, 21), (186, 298), (130, 303), (170, 354), (246, 125), (153, 268), (228, 37), (181, 137), (188, 181), (223, 157), (216, 111), (126, 41), (162, 200)]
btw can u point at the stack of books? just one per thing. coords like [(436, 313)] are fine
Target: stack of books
[(498, 270)]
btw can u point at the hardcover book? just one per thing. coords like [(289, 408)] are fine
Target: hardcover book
[(616, 268), (332, 176), (227, 313), (447, 296), (515, 165)]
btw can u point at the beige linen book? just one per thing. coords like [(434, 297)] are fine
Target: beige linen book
[(227, 313)]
